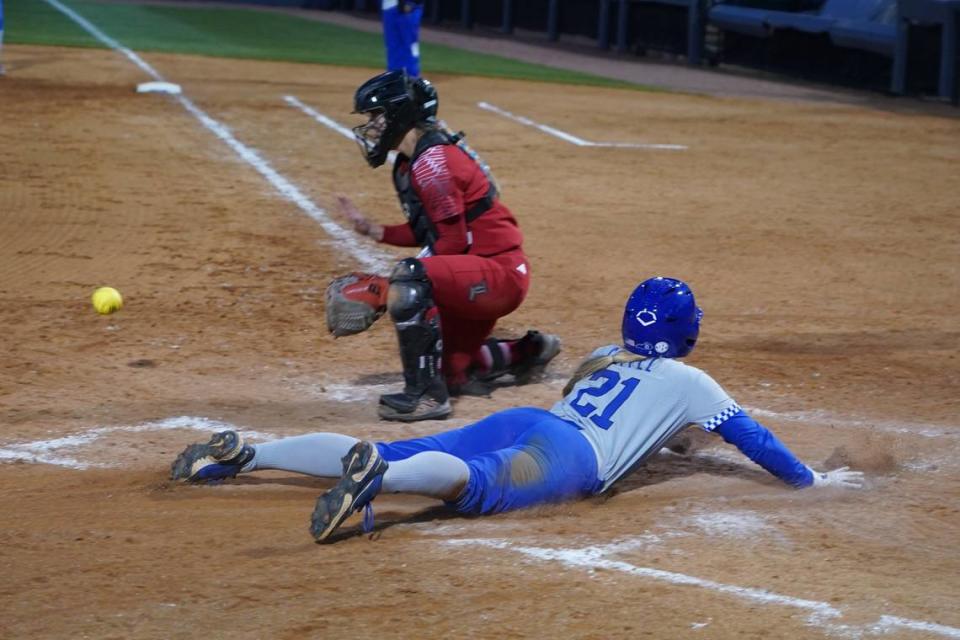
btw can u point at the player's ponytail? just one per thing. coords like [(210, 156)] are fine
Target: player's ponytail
[(591, 365)]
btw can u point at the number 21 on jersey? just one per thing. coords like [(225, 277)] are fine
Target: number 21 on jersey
[(603, 416)]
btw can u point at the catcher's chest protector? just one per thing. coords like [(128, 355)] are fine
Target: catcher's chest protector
[(417, 218), (423, 229)]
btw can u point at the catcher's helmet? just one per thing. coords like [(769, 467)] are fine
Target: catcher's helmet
[(395, 103), (661, 319)]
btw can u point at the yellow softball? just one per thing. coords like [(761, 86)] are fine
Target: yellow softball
[(106, 300)]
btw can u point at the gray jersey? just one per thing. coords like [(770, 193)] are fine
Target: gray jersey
[(628, 411)]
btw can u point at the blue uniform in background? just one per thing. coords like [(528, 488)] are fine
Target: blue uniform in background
[(610, 422), (401, 33), (1, 36)]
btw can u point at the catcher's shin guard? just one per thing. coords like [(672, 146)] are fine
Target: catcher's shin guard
[(417, 320)]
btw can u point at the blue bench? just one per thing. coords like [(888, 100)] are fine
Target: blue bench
[(746, 20), (857, 24), (832, 12), (877, 33)]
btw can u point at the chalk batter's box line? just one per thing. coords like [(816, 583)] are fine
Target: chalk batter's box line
[(821, 614), (572, 139), (328, 122), (332, 124)]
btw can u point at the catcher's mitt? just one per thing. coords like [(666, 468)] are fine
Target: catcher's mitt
[(354, 302)]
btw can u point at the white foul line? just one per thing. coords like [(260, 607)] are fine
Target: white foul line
[(822, 614), (569, 137), (105, 39), (371, 258)]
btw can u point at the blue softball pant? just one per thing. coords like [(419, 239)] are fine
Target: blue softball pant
[(517, 458)]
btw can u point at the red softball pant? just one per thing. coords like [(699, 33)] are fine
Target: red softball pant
[(471, 294)]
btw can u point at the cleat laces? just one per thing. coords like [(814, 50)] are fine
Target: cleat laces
[(368, 517)]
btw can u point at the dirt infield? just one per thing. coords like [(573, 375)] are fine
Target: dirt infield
[(822, 241)]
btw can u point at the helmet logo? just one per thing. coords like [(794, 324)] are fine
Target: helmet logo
[(661, 347), (646, 317)]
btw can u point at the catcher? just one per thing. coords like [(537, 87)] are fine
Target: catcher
[(471, 269)]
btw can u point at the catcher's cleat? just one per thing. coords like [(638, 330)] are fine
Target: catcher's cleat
[(472, 387), (363, 469), (409, 407), (543, 347), (221, 457)]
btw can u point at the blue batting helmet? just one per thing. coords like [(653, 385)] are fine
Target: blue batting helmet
[(661, 319)]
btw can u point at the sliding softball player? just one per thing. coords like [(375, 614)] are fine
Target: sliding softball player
[(621, 406)]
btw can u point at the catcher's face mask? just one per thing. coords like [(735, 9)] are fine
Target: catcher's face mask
[(369, 135), (394, 104)]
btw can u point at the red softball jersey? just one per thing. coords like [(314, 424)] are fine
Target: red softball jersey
[(448, 183), (478, 269)]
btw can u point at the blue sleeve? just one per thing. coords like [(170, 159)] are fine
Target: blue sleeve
[(760, 445)]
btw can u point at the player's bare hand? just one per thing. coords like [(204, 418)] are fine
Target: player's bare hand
[(360, 223), (842, 477), (350, 211)]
